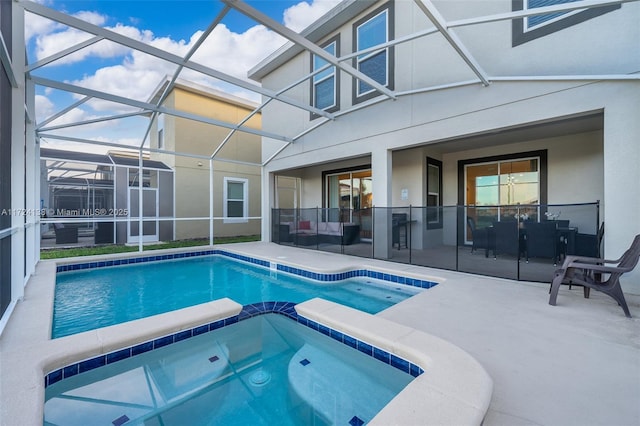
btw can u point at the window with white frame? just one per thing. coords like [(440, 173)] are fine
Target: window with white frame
[(536, 26), (373, 30), (324, 90), (236, 200)]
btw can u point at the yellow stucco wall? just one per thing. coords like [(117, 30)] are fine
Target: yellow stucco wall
[(192, 176)]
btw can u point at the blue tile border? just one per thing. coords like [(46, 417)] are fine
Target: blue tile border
[(357, 273), (169, 256), (356, 421), (131, 260), (318, 276), (248, 311)]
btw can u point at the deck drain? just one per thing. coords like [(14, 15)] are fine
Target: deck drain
[(260, 377)]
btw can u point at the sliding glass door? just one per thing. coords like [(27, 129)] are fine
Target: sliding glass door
[(351, 192)]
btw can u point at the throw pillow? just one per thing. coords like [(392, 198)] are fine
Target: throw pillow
[(304, 225)]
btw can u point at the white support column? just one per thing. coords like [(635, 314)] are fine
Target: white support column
[(140, 201), (115, 206), (621, 203), (381, 170), (268, 190), (211, 215), (18, 166), (32, 183)]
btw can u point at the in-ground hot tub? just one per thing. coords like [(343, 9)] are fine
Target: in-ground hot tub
[(266, 370)]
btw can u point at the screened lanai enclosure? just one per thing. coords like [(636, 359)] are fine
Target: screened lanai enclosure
[(90, 199), (96, 143)]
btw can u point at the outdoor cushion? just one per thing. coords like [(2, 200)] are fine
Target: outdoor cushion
[(304, 224)]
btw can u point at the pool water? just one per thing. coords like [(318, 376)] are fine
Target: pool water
[(95, 298), (265, 370)]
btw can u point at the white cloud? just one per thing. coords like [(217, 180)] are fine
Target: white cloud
[(91, 148), (225, 51), (138, 74), (303, 14), (55, 41), (44, 107), (126, 80), (234, 53), (124, 131), (35, 25), (91, 17), (40, 27), (74, 116)]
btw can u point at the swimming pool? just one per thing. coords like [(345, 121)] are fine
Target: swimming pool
[(86, 299), (261, 371)]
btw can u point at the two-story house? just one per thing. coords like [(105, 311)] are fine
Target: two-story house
[(214, 167), (461, 105)]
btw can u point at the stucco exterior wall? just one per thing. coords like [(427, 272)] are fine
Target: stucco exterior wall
[(585, 165), (586, 48), (193, 189)]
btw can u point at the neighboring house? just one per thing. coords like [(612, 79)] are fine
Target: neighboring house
[(235, 183), (79, 186), (552, 100)]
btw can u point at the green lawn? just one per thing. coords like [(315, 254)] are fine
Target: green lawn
[(90, 251)]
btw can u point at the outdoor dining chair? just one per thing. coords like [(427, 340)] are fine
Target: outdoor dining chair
[(541, 240), (479, 236)]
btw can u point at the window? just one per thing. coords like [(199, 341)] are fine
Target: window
[(235, 208), (532, 27), (502, 187), (160, 131), (538, 20), (504, 183), (373, 30), (434, 194), (325, 87)]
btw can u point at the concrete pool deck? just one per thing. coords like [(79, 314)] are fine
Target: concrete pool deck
[(577, 363)]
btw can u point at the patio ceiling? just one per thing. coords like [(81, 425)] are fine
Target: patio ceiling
[(541, 130), (53, 128)]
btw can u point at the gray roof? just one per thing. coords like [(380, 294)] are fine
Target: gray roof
[(133, 162), (99, 159), (74, 156), (104, 183)]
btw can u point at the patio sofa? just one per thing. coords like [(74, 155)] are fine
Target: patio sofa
[(311, 233), (65, 234)]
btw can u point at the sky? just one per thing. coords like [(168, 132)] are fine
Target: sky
[(234, 47)]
